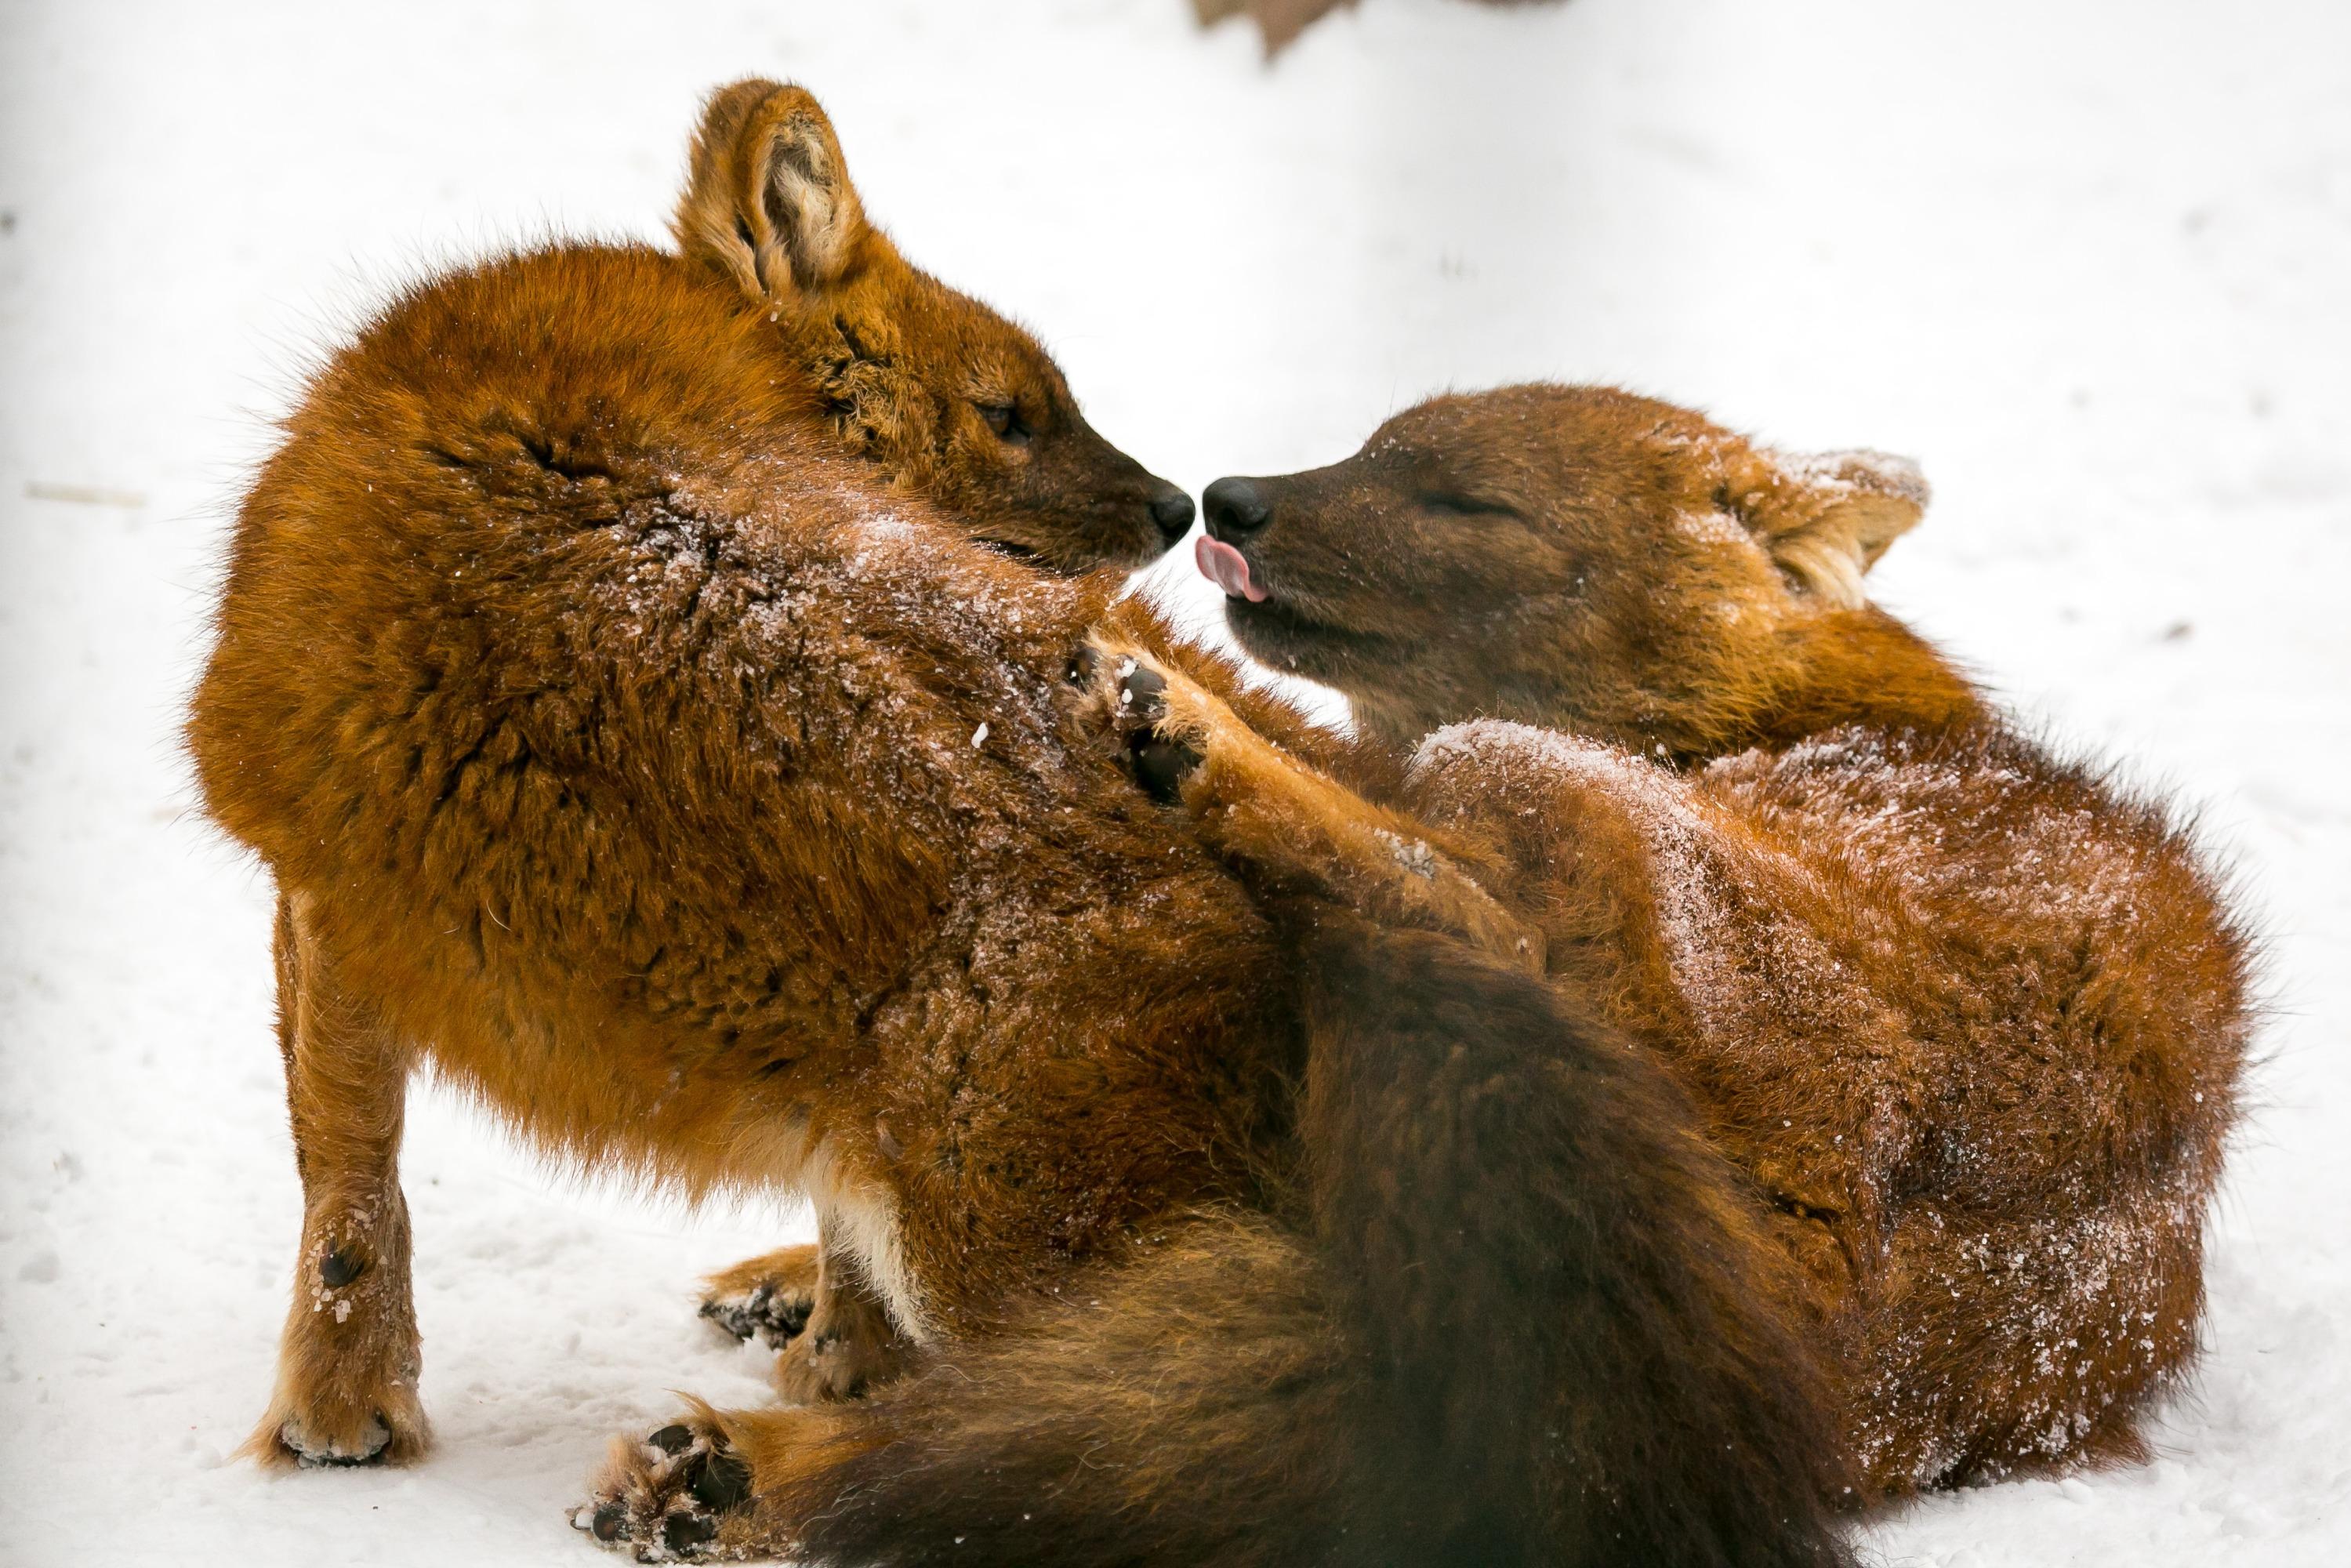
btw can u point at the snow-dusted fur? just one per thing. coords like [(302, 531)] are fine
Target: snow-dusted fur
[(623, 680), (1521, 1315), (1971, 1018)]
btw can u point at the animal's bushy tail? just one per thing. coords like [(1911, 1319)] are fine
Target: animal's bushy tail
[(1519, 1318), (1569, 1335)]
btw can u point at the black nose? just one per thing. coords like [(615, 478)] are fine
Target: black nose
[(1237, 507), (1172, 510)]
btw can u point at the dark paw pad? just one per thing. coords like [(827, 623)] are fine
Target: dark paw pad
[(723, 1484), (774, 1316), (608, 1521), (669, 1497), (681, 1533), (1159, 765), (1142, 692)]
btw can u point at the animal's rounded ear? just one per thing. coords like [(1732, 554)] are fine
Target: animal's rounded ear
[(768, 198), (1826, 518)]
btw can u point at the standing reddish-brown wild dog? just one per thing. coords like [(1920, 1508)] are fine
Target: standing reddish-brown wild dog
[(1971, 1018), (648, 678)]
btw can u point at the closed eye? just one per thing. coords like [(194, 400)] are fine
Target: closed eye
[(1460, 506), (1005, 420)]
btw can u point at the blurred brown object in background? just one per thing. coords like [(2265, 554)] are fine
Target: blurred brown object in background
[(1282, 20)]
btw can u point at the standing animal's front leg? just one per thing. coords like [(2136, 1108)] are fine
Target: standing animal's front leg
[(348, 1361)]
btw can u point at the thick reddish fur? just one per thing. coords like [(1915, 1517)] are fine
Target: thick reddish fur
[(1971, 1018), (647, 680)]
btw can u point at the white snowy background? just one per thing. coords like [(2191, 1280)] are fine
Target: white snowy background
[(2090, 261)]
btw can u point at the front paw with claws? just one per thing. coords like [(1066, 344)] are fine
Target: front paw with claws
[(1288, 830), (1130, 696), (774, 1313), (671, 1496)]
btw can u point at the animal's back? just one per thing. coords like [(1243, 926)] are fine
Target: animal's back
[(1971, 1019), (2070, 1022), (2034, 970), (695, 800), (2056, 948)]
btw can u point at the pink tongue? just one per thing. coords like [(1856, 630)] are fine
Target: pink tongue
[(1223, 564)]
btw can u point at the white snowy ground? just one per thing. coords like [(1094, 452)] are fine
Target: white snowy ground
[(2090, 261)]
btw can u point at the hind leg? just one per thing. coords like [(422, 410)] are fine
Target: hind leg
[(348, 1361), (2010, 1345), (703, 1486), (835, 1336)]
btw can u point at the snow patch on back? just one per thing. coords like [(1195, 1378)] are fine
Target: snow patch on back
[(1684, 847)]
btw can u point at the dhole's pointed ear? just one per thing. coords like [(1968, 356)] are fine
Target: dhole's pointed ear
[(768, 199), (1826, 518)]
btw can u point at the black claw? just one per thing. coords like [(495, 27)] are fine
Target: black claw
[(684, 1532), (724, 1485), (1162, 766), (741, 1319), (340, 1267), (674, 1438), (761, 1313), (606, 1525)]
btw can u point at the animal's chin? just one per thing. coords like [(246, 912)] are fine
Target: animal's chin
[(1037, 560), (1276, 630)]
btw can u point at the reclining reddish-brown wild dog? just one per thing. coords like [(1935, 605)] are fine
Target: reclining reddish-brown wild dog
[(648, 678), (1971, 1018)]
